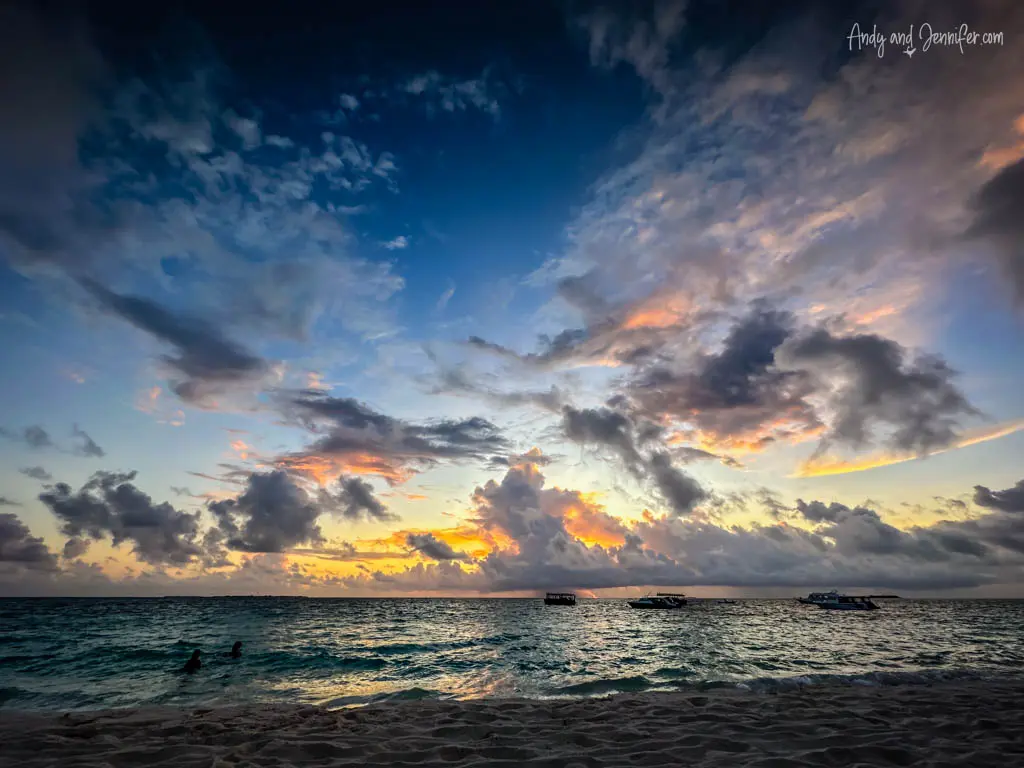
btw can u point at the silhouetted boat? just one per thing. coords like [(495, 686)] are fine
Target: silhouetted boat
[(661, 601), (837, 602), (559, 598), (816, 598)]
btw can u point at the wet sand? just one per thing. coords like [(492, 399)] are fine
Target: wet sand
[(945, 724)]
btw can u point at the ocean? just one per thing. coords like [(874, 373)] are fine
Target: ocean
[(75, 654)]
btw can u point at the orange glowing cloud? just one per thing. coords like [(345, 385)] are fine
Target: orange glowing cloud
[(659, 311), (243, 450), (828, 465), (326, 469), (147, 400), (997, 158), (594, 526), (790, 427), (469, 539)]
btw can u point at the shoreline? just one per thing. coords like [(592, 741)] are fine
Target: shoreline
[(961, 722)]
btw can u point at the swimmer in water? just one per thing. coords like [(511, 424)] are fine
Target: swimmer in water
[(194, 663), (236, 650)]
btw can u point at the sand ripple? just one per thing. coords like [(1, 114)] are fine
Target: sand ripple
[(961, 724)]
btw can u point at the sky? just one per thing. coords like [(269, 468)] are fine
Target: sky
[(493, 299)]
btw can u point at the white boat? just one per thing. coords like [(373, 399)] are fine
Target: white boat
[(816, 598), (661, 601), (848, 603), (838, 602)]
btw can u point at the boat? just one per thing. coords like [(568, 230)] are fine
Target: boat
[(816, 598), (837, 602), (559, 598), (661, 601), (725, 602)]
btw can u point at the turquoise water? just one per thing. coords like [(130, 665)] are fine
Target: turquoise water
[(85, 654)]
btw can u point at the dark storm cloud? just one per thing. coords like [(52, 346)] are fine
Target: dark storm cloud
[(350, 431), (355, 500), (859, 531), (602, 426), (110, 505), (1009, 500), (311, 406), (735, 391), (86, 445), (625, 436), (680, 490), (36, 473), (272, 514), (998, 207), (20, 548), (74, 548), (430, 546), (204, 359), (33, 436), (880, 385)]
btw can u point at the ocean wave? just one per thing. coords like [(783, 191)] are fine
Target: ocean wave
[(612, 685), (404, 694)]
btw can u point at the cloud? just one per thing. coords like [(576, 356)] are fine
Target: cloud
[(165, 182), (445, 297), (680, 490), (533, 456), (205, 362), (771, 379), (87, 446), (396, 244), (273, 513), (448, 94), (645, 44), (36, 437), (626, 435), (526, 536), (736, 395), (20, 549), (109, 505), (33, 436), (5, 502), (74, 548), (1010, 500), (455, 380), (873, 382), (435, 549), (700, 219), (819, 465), (352, 438), (356, 500), (997, 207), (36, 473)]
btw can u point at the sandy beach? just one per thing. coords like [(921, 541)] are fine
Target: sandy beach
[(962, 724)]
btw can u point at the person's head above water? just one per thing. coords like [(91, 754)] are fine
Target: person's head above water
[(194, 663), (236, 649)]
